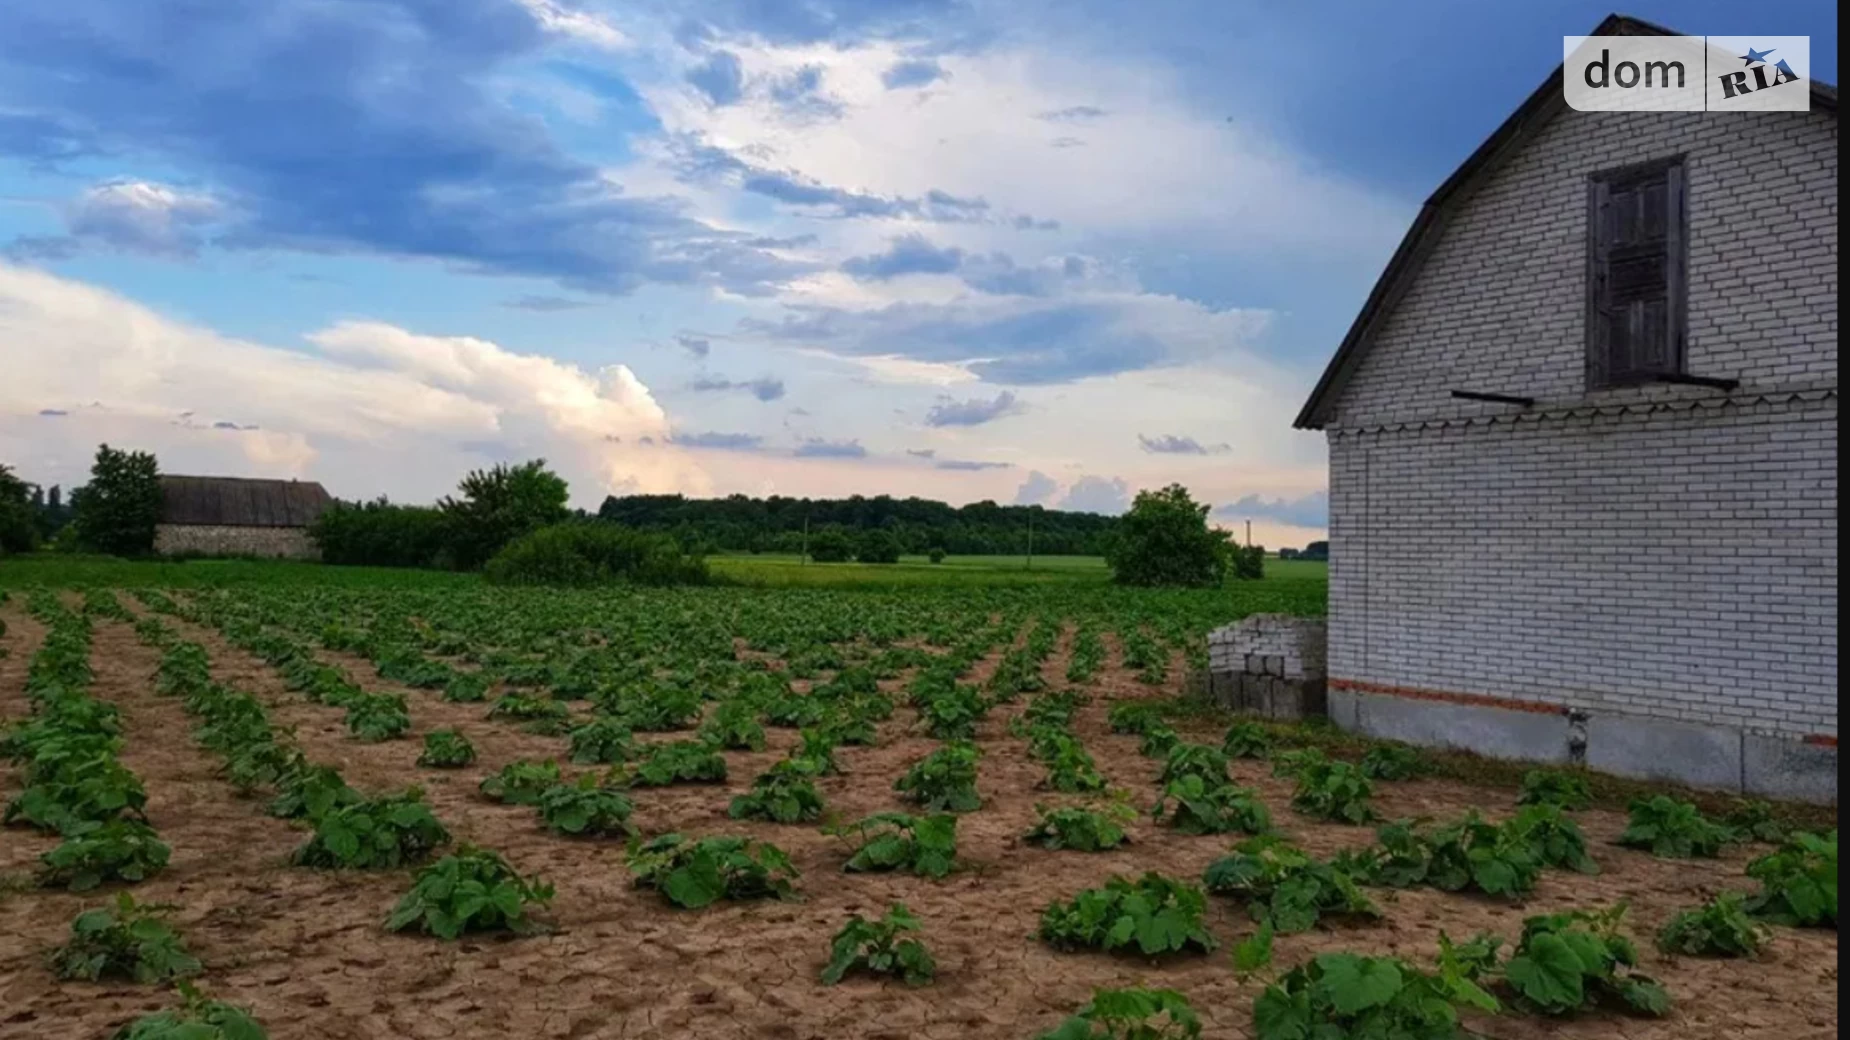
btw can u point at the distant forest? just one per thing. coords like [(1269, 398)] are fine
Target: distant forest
[(742, 524)]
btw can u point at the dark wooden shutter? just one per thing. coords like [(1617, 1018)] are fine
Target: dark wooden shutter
[(1635, 305)]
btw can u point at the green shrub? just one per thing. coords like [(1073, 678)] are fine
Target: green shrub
[(520, 783), (1575, 961), (1131, 1014), (1674, 829), (936, 555), (382, 832), (474, 890), (922, 845), (1718, 928), (693, 874), (945, 780), (117, 510), (594, 553), (1334, 791), (1081, 829), (585, 808), (1247, 740), (131, 941), (1798, 884), (784, 793), (1154, 914), (196, 1019), (877, 947), (446, 749), (1195, 807), (1547, 787), (1165, 539), (113, 850), (1283, 886)]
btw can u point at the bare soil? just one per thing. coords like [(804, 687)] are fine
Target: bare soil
[(305, 950)]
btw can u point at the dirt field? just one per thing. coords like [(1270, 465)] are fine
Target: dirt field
[(305, 950)]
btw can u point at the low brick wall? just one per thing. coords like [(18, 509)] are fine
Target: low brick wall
[(212, 540), (1269, 664)]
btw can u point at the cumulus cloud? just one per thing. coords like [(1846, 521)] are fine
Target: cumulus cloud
[(1169, 444), (818, 448), (131, 216), (974, 412), (800, 93), (914, 72), (908, 254), (1107, 496), (375, 408), (1312, 510), (720, 441), (721, 78), (1037, 490), (574, 24), (764, 389)]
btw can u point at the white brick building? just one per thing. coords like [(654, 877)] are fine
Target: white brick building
[(1637, 573)]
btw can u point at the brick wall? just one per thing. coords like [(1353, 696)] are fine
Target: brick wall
[(1668, 552), (290, 542)]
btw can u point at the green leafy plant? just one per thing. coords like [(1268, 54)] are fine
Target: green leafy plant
[(1798, 883), (1193, 806), (130, 941), (473, 890), (446, 749), (676, 762), (1574, 961), (1294, 763), (734, 726), (382, 832), (1131, 1014), (604, 740), (784, 793), (1673, 829), (1343, 995), (1202, 760), (87, 787), (520, 783), (1153, 914), (1157, 742), (1070, 768), (1553, 837), (538, 713), (1754, 820), (306, 791), (1720, 927), (816, 745), (1391, 762), (882, 947), (1079, 828), (945, 780), (1247, 740), (374, 717), (467, 688), (1135, 717), (1335, 791), (112, 850), (1468, 854), (585, 808), (693, 874), (1568, 791), (922, 845), (662, 709), (196, 1019), (1285, 887), (954, 715)]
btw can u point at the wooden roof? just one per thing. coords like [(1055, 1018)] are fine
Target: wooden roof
[(241, 501)]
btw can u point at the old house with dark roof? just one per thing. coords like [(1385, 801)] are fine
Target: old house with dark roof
[(1583, 452), (238, 516)]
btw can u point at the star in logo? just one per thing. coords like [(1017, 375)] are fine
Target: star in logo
[(1753, 56)]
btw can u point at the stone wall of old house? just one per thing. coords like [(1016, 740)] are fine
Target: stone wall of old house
[(1269, 664), (283, 542)]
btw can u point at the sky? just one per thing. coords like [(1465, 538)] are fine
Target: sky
[(1016, 250)]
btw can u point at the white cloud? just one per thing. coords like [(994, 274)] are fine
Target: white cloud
[(142, 216), (580, 26)]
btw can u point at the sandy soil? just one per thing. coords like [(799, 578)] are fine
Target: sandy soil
[(306, 952)]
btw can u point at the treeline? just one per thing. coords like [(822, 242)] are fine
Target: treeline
[(740, 523)]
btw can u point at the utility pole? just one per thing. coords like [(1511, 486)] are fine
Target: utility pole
[(805, 560), (1249, 532), (1030, 540)]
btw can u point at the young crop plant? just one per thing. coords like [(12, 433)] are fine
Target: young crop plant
[(375, 834), (91, 787), (374, 717), (1202, 760), (1798, 883), (1468, 854), (130, 942), (791, 710), (446, 749), (1720, 927), (955, 714), (520, 783), (1568, 791), (586, 809), (677, 762), (1131, 1014), (1391, 762), (1154, 915), (1158, 741), (922, 845), (1553, 836), (1283, 886), (817, 746), (734, 726), (604, 740), (1346, 995), (883, 947), (1051, 710), (195, 1019), (95, 852), (851, 723), (1334, 791), (693, 874), (1081, 829), (1247, 740), (1753, 820), (473, 890), (1575, 961), (467, 688), (1673, 829), (537, 713), (1290, 764), (662, 709), (784, 793), (1135, 717), (1070, 767), (945, 780), (1193, 806), (305, 791)]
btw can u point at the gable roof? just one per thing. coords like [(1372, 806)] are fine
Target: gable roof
[(241, 501), (1541, 106)]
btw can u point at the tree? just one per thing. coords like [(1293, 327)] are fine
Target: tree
[(936, 555), (117, 511), (18, 529), (829, 545), (499, 505), (877, 546), (1165, 540)]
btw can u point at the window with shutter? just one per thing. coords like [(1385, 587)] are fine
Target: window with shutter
[(1636, 228)]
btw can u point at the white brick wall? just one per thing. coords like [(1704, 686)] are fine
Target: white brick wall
[(1669, 560)]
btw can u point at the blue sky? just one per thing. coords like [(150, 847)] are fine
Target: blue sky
[(1025, 251)]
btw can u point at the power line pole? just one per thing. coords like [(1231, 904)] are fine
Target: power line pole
[(1030, 541), (805, 560), (1249, 532)]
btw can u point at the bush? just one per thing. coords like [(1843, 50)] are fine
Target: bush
[(594, 553), (18, 526), (380, 534), (117, 511), (472, 891), (499, 505), (1165, 540), (936, 555), (130, 941), (829, 546), (877, 546), (876, 947)]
